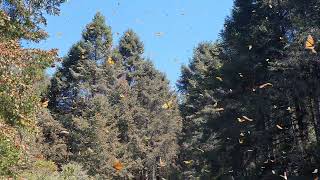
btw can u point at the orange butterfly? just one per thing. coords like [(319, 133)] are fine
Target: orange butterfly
[(45, 103), (310, 44), (117, 165), (279, 127), (265, 85), (111, 61), (162, 163), (218, 109), (219, 78)]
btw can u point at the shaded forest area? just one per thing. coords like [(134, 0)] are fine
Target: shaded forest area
[(247, 105)]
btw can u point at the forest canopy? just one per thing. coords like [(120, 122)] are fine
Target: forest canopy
[(247, 105)]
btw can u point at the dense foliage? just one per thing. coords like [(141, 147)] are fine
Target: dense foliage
[(249, 102), (253, 110)]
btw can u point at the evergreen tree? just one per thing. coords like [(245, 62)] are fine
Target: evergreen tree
[(153, 127), (200, 86), (79, 96)]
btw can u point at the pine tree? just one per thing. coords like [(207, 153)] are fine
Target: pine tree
[(80, 97), (200, 86), (153, 127)]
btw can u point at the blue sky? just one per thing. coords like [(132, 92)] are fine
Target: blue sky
[(182, 23)]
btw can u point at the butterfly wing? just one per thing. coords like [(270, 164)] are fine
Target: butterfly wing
[(309, 43), (118, 166)]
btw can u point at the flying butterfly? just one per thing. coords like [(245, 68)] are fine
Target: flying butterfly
[(310, 44), (279, 127), (246, 118), (188, 162), (241, 120), (111, 61), (218, 109), (117, 165), (315, 171), (284, 176), (265, 85), (162, 163), (167, 105), (219, 78), (45, 103), (200, 150)]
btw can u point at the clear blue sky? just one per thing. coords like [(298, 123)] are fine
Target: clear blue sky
[(184, 23)]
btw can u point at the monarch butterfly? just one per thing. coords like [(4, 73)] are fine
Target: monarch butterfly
[(111, 61), (215, 104), (265, 85), (64, 132), (310, 44), (246, 118), (200, 150), (279, 127), (218, 109), (315, 171), (167, 105), (162, 163), (241, 120), (188, 162), (219, 78), (159, 34), (45, 103), (117, 165), (284, 176)]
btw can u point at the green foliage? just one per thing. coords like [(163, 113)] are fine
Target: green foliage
[(9, 156), (21, 19), (47, 170)]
